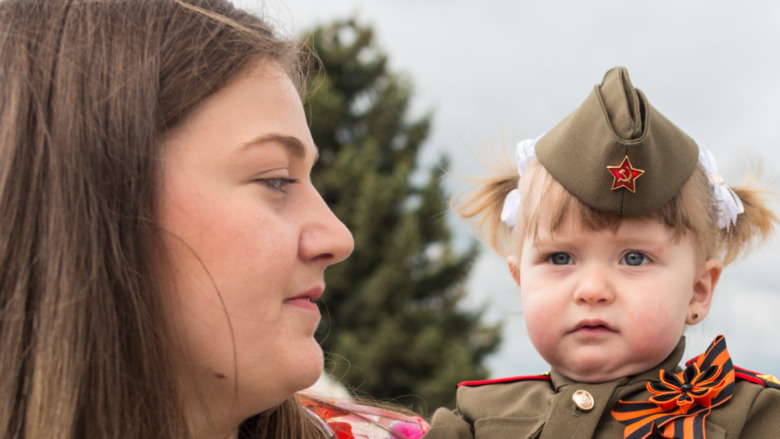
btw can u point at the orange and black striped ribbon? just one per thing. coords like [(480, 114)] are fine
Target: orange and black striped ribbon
[(681, 401)]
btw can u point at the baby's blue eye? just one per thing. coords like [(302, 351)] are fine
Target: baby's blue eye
[(634, 259), (560, 259)]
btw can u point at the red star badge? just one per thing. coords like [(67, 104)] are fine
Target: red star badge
[(625, 175)]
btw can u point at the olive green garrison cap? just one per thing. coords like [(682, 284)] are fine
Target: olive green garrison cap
[(616, 153)]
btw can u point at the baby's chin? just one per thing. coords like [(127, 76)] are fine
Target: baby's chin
[(603, 372), (592, 378)]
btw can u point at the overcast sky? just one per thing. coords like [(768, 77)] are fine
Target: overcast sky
[(511, 69)]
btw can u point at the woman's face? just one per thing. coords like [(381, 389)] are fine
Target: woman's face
[(249, 239)]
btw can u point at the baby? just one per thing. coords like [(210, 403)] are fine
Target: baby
[(616, 226)]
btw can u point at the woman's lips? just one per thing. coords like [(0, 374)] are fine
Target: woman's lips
[(306, 300)]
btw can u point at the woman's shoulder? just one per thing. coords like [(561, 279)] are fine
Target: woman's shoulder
[(348, 420)]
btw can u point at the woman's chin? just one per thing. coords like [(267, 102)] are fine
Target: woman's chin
[(310, 368)]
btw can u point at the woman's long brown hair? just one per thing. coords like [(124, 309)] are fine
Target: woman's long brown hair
[(87, 89)]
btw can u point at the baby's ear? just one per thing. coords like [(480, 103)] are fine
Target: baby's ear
[(514, 268), (703, 288)]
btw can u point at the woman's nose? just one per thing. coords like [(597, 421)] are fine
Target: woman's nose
[(324, 237), (594, 286)]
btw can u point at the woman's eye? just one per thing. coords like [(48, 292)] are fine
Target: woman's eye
[(278, 184), (634, 259), (560, 259)]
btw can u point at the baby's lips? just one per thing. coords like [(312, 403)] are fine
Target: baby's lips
[(592, 323)]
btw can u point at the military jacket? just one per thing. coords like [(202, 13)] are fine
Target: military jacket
[(545, 407)]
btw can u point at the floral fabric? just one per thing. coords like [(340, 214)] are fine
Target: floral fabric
[(356, 421)]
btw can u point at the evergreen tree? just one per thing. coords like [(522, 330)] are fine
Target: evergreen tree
[(392, 324)]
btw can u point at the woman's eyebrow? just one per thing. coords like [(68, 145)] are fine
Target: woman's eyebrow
[(292, 144)]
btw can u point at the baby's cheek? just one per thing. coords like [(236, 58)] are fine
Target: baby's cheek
[(543, 316), (542, 332), (656, 339)]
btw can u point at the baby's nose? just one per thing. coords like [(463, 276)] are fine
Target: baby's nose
[(594, 287)]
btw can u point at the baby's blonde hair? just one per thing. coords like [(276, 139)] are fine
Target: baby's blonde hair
[(692, 212)]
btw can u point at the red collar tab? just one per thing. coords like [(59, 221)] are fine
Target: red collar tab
[(681, 401), (757, 378), (542, 377)]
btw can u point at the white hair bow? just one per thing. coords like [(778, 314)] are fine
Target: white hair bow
[(727, 202), (524, 153)]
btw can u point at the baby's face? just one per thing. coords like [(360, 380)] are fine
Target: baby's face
[(600, 305)]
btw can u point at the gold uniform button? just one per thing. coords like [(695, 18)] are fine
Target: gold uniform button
[(583, 400)]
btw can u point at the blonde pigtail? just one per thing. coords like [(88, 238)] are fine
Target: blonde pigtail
[(752, 226), (485, 203)]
